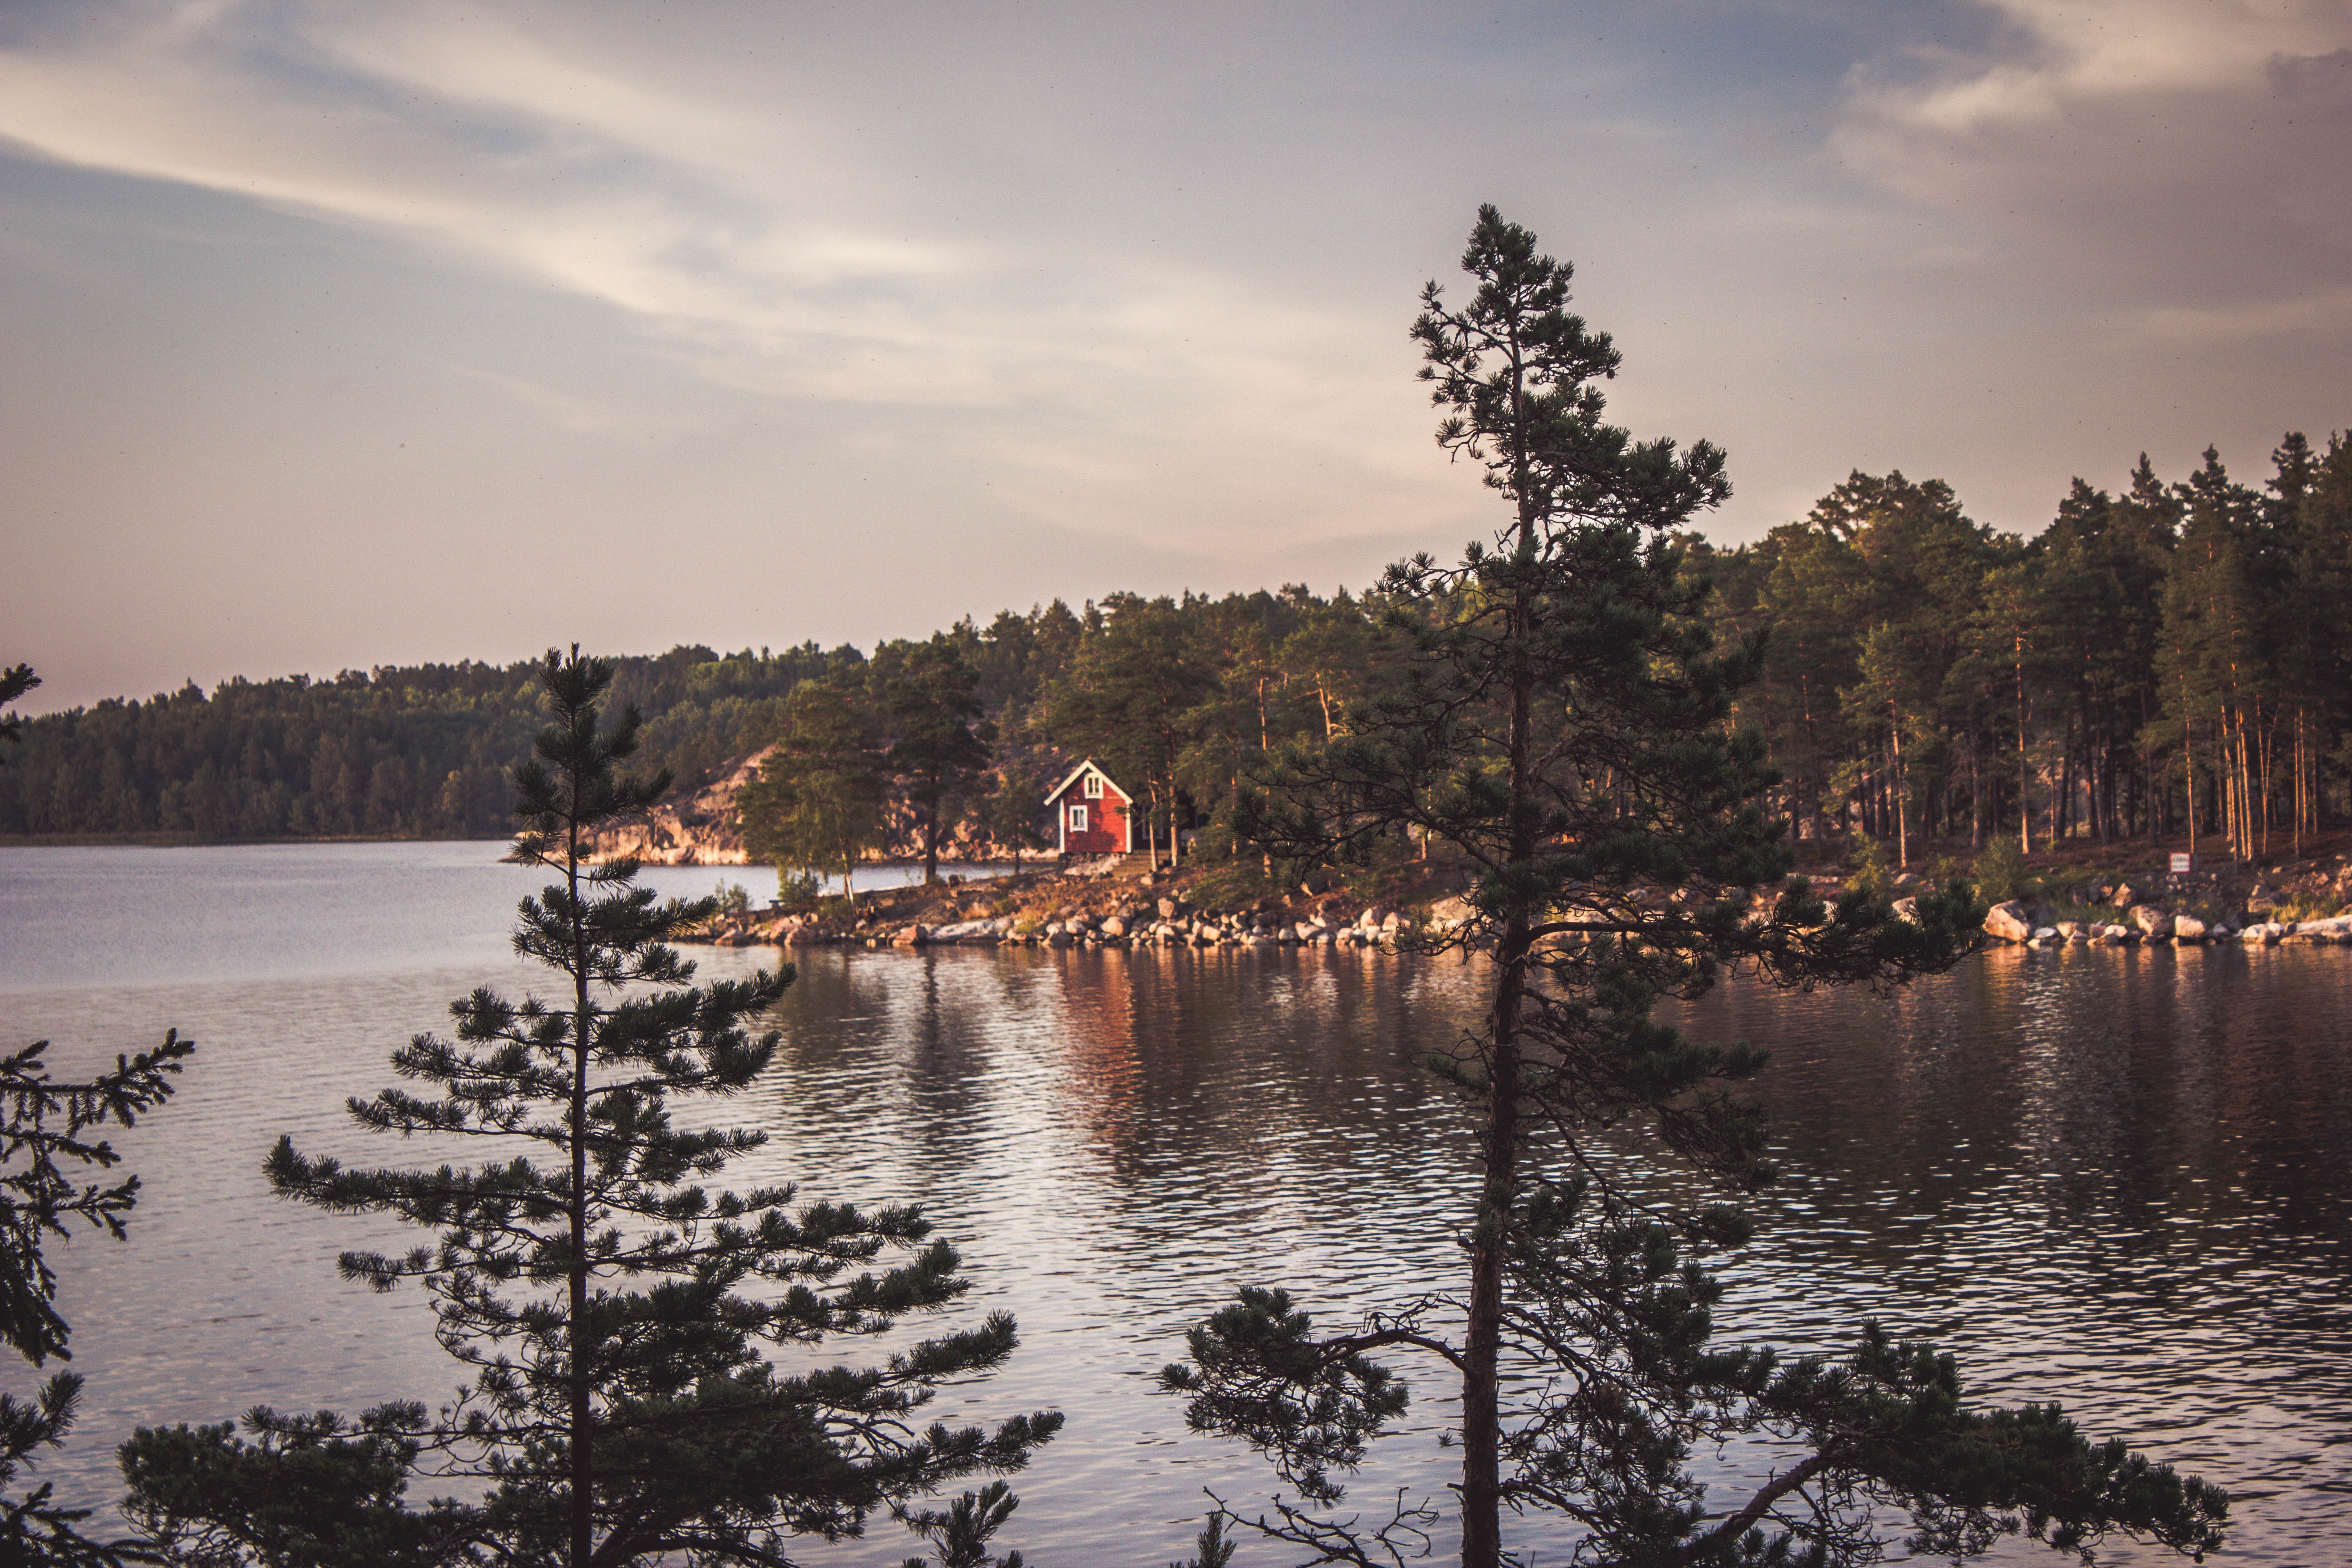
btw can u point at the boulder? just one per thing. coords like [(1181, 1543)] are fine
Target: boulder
[(2152, 922), (1447, 913), (2070, 930), (1907, 909), (2126, 897), (2008, 922), (1113, 928), (1169, 909), (2188, 928), (2117, 936)]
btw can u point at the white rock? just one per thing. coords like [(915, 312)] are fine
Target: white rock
[(2008, 922)]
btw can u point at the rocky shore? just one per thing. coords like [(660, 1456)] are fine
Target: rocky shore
[(1076, 908), (2038, 925), (1080, 907), (2310, 903)]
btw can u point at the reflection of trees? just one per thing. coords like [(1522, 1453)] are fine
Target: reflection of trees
[(2128, 1118), (1197, 1089)]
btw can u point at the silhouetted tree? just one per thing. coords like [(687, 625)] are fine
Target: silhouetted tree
[(615, 1313), (1563, 723), (47, 1139)]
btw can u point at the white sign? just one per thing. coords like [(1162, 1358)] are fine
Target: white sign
[(2183, 864)]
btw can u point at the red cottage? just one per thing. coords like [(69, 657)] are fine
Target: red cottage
[(1090, 813)]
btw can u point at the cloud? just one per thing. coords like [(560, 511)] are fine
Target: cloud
[(731, 224), (2155, 159)]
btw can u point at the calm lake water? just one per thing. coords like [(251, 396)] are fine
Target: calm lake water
[(2118, 1178)]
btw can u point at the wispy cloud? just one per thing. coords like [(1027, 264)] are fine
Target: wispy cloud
[(1128, 285)]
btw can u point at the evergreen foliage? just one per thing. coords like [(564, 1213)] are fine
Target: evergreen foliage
[(46, 1139), (931, 698), (1131, 701), (1927, 677), (1561, 721), (14, 681), (617, 1316), (396, 752), (818, 800)]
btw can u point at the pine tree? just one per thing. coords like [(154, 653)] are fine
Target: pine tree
[(1131, 699), (942, 745), (45, 1132), (1015, 807), (1563, 725), (617, 1315), (819, 798), (14, 681)]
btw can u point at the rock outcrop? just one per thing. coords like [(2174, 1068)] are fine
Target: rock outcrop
[(2009, 920), (694, 829)]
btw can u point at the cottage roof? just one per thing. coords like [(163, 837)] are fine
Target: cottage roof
[(1081, 771)]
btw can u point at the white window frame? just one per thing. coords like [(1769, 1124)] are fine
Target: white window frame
[(1077, 818), (1092, 788)]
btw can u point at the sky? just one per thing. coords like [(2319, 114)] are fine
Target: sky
[(345, 335)]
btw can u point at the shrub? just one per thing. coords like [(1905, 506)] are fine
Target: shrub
[(2000, 873)]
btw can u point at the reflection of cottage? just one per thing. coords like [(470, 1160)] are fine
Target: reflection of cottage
[(1090, 813)]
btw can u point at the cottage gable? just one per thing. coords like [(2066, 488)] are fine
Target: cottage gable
[(1091, 812)]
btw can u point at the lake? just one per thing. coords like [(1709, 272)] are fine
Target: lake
[(2114, 1177)]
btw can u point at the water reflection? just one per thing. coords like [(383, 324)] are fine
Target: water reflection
[(2114, 1177)]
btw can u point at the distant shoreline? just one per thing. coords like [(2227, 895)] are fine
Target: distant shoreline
[(199, 841), (203, 841)]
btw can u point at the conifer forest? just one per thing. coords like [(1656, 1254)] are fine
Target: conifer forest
[(2165, 658)]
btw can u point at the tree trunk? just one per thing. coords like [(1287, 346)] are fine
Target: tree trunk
[(1481, 1496), (576, 1268), (1482, 1490), (2024, 776), (1902, 802)]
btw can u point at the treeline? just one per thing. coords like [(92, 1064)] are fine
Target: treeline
[(2165, 660), (396, 751), (2168, 660)]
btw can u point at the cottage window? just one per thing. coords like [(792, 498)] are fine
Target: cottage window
[(1078, 819), (1092, 786)]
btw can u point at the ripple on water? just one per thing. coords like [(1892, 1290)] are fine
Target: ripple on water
[(2112, 1178)]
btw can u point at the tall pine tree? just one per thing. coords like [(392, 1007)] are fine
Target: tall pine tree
[(1561, 725), (617, 1315)]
